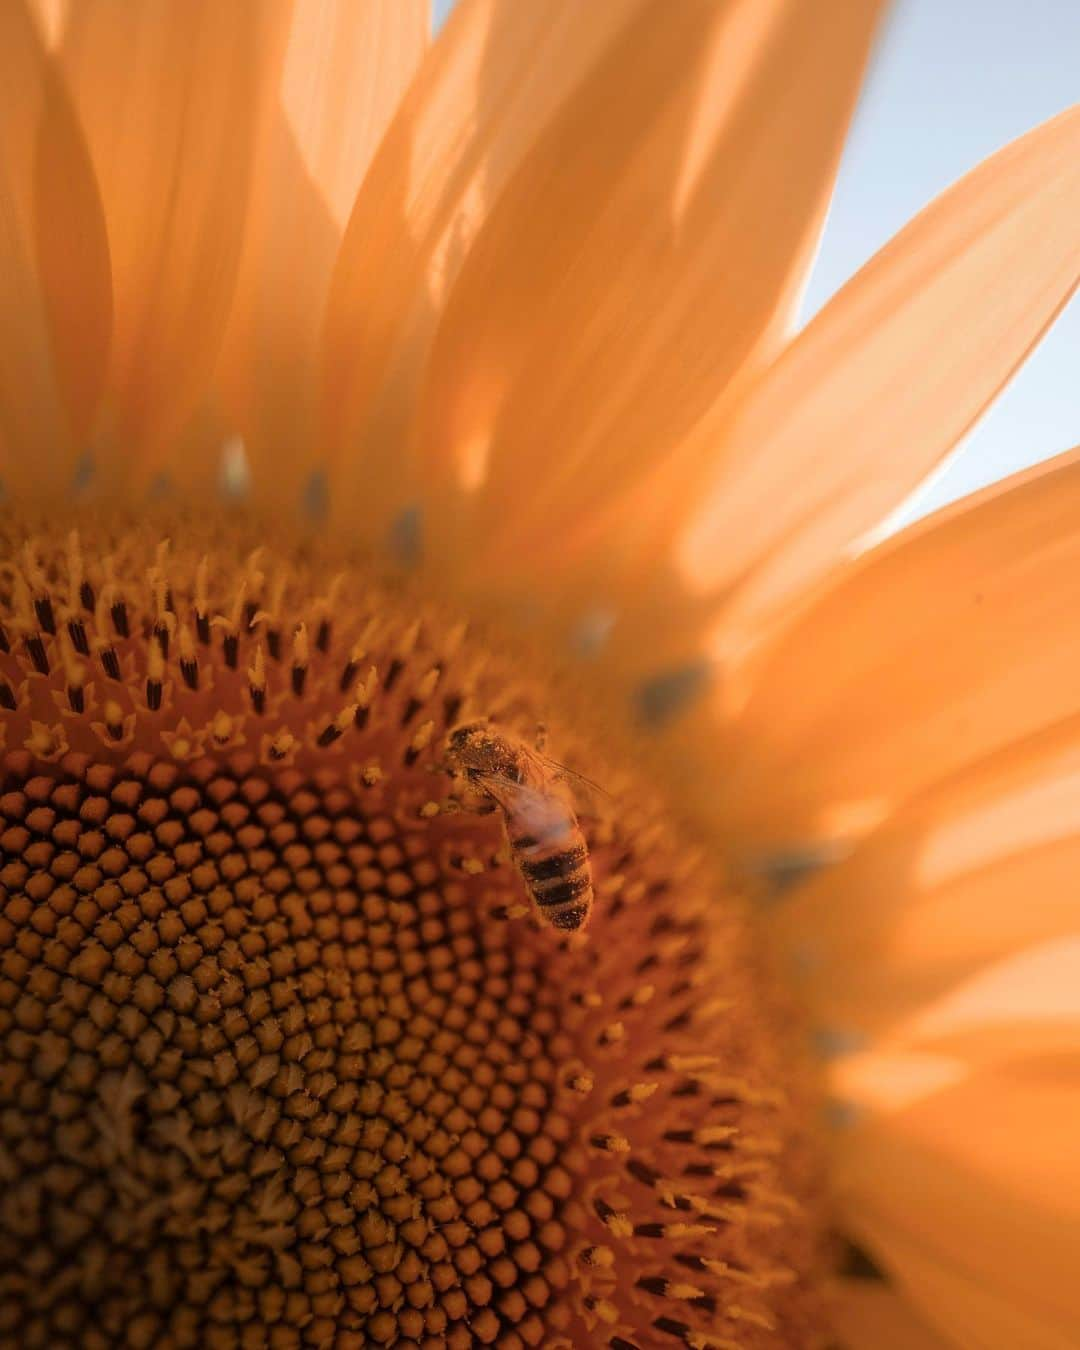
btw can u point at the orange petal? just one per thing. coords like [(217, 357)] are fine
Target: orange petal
[(1028, 1004), (55, 299), (346, 68), (950, 642), (647, 248), (168, 96), (869, 1315), (887, 379), (963, 878), (490, 83), (344, 71), (970, 1197)]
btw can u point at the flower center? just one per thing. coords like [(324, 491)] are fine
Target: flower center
[(292, 1055)]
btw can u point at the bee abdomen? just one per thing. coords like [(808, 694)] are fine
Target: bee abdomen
[(563, 889), (551, 865), (570, 918)]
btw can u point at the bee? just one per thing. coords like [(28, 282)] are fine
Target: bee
[(546, 842)]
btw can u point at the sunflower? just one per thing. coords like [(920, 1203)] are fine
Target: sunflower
[(355, 389)]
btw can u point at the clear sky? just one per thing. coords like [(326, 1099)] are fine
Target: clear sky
[(951, 82)]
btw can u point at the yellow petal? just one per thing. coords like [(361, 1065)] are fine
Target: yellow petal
[(647, 248), (345, 68), (963, 878), (886, 380), (168, 95), (490, 83), (947, 644), (55, 299), (970, 1197), (869, 1315)]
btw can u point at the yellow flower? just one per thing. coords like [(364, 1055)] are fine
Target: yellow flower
[(486, 346)]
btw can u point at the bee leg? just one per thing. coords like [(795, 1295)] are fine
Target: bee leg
[(469, 798)]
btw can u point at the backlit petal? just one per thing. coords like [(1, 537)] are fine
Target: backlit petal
[(1023, 1006), (168, 96), (949, 643), (988, 1252), (345, 68), (647, 248), (55, 298), (962, 879), (887, 378), (490, 83)]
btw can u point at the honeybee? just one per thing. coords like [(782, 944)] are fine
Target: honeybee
[(546, 842)]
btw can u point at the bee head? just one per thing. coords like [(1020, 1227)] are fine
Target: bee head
[(477, 748)]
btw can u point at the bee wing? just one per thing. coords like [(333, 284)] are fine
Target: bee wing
[(530, 806), (586, 793)]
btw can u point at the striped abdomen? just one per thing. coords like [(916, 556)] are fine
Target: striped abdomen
[(554, 862)]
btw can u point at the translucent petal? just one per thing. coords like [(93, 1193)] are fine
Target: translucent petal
[(1026, 1005), (965, 877), (950, 643), (490, 83), (55, 295), (344, 71), (346, 68), (886, 380), (168, 94), (647, 248), (970, 1196)]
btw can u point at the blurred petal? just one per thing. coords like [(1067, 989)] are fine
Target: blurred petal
[(949, 643), (345, 69), (490, 83), (54, 267), (1027, 1005), (988, 1252), (934, 896), (869, 1315), (168, 95), (52, 18), (887, 378), (649, 246)]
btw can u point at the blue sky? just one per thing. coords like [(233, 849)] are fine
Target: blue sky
[(951, 82)]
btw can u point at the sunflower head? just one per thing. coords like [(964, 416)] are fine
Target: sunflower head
[(367, 402), (288, 1059)]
